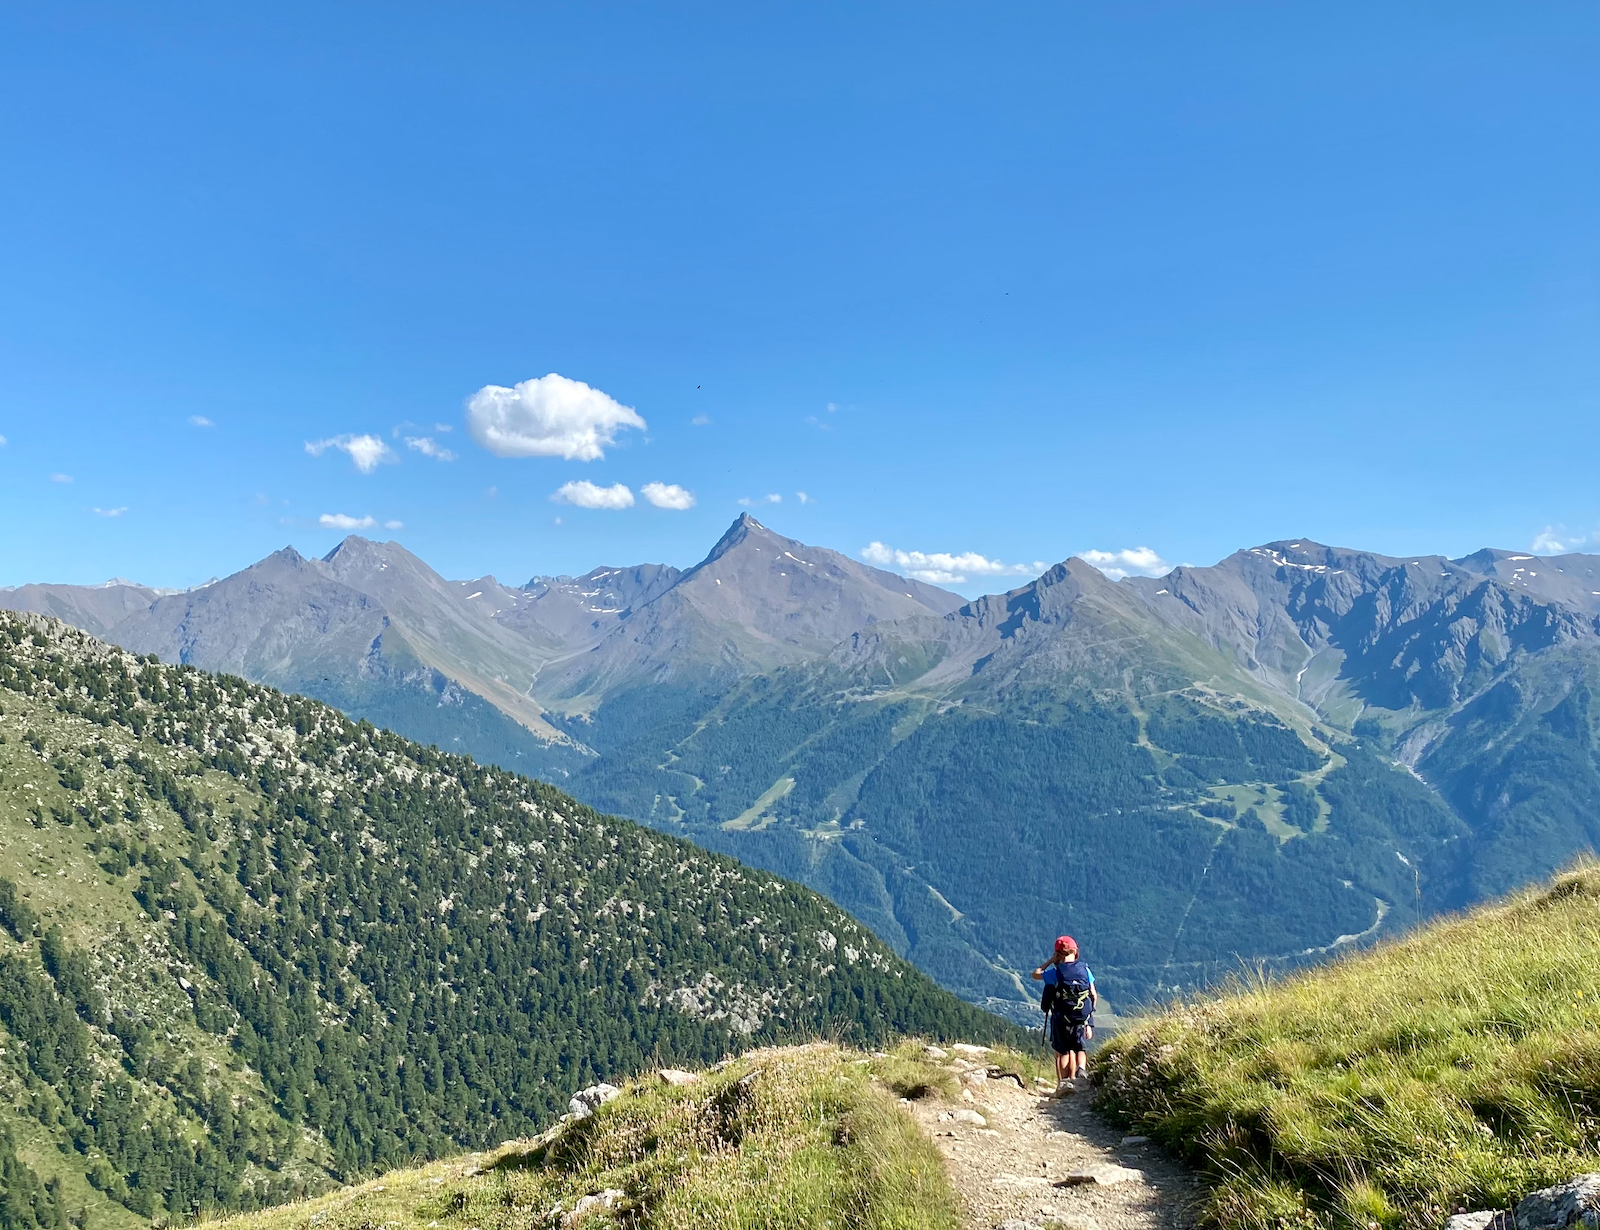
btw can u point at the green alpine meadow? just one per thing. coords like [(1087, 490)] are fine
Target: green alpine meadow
[(1457, 1068)]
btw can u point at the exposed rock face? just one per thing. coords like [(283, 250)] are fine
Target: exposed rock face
[(1574, 1203)]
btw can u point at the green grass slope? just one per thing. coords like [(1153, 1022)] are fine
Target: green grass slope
[(249, 947), (1459, 1067), (794, 1138)]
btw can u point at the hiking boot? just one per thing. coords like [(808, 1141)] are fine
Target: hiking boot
[(1066, 1088)]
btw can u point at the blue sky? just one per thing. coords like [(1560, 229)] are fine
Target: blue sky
[(1007, 281)]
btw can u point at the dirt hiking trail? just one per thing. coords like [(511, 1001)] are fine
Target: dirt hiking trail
[(1020, 1158)]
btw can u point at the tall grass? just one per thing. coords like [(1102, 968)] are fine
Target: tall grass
[(800, 1138), (1459, 1067)]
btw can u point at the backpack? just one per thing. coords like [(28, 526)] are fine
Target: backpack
[(1067, 998)]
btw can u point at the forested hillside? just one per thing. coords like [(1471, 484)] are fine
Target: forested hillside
[(251, 945)]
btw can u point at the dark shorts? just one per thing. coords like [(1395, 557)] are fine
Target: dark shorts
[(1068, 1036)]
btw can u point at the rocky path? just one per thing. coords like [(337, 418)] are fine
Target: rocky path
[(1022, 1159)]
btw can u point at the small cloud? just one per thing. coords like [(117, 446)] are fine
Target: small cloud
[(394, 525), (813, 421), (558, 521), (3, 441), (428, 448), (1554, 540), (944, 567), (548, 417), (108, 512), (200, 420), (668, 495), (261, 498), (584, 494), (366, 451), (443, 429), (491, 492), (61, 478), (802, 497), (700, 420), (341, 521), (1133, 561), (833, 408)]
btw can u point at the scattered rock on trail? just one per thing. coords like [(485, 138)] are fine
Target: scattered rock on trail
[(1007, 1171), (1105, 1175), (586, 1101), (1574, 1203), (967, 1049), (935, 1052)]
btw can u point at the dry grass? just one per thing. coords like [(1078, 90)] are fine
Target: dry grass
[(798, 1138), (1457, 1068)]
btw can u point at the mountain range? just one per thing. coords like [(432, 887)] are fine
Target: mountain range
[(1270, 759)]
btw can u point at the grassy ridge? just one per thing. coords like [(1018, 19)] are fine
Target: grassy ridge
[(798, 1138), (1457, 1068)]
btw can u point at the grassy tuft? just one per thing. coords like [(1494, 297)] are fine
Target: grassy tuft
[(798, 1138), (1459, 1067)]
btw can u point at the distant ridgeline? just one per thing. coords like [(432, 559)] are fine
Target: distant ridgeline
[(1265, 761), (251, 945)]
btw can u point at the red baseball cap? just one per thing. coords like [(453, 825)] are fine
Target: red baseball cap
[(1066, 943)]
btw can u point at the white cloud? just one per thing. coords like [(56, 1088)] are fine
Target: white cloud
[(200, 420), (802, 497), (585, 494), (341, 521), (3, 442), (366, 451), (1134, 561), (943, 567), (668, 495), (766, 499), (428, 447), (394, 525), (548, 417), (700, 420), (108, 512), (1554, 540), (61, 478)]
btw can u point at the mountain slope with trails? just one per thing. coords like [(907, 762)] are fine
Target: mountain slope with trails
[(251, 946)]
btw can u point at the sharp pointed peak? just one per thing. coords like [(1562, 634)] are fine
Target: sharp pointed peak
[(743, 527), (350, 544)]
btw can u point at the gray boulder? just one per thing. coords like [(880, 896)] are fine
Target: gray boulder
[(1480, 1221), (1574, 1203), (586, 1101)]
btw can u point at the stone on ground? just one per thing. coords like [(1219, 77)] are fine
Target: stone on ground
[(1574, 1203)]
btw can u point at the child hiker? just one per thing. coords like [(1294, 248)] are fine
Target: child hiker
[(1069, 999)]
